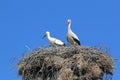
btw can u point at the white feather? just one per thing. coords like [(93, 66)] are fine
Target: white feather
[(53, 41)]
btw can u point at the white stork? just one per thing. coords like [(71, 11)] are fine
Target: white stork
[(71, 36), (53, 41)]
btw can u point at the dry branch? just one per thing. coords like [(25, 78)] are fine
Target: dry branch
[(66, 63)]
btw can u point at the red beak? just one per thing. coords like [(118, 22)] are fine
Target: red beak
[(68, 23)]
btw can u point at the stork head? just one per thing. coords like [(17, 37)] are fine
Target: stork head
[(46, 34), (68, 22)]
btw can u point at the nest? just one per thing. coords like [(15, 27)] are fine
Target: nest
[(66, 63)]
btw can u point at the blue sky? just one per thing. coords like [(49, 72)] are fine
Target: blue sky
[(23, 22)]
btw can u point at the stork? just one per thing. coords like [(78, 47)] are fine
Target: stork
[(71, 36), (53, 41)]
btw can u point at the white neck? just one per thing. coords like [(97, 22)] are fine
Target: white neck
[(69, 27), (48, 35)]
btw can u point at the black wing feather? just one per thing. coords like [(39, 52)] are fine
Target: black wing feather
[(77, 41)]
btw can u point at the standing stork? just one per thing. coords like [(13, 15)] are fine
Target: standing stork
[(71, 36), (53, 41)]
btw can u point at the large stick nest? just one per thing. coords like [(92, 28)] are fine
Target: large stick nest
[(66, 63)]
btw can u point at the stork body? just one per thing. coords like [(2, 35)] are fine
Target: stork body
[(71, 36), (53, 41)]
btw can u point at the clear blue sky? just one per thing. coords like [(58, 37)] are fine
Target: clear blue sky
[(23, 22)]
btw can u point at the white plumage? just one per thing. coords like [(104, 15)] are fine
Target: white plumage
[(71, 36), (53, 41)]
